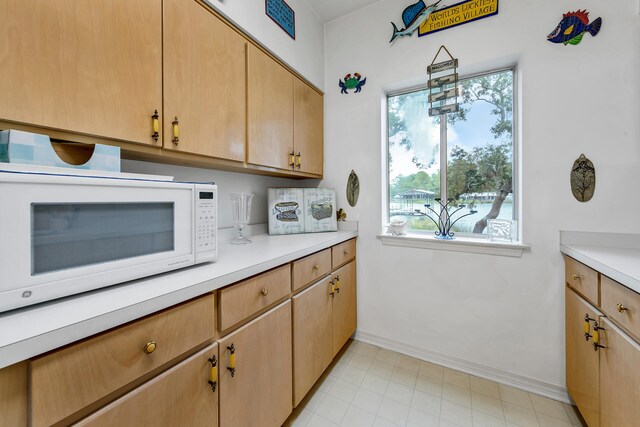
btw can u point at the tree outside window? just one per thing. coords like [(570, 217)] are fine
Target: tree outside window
[(467, 156)]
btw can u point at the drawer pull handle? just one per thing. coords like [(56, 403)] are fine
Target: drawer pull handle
[(587, 326), (213, 378), (155, 122), (264, 292), (621, 308), (596, 337), (176, 131), (575, 276), (150, 347), (316, 267), (232, 360), (336, 281), (346, 253)]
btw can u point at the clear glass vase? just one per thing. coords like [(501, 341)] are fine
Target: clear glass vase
[(241, 209)]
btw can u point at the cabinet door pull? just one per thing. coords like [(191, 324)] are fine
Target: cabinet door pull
[(150, 347), (621, 308), (155, 123), (232, 360), (213, 377), (596, 337), (292, 159), (333, 289), (176, 130), (587, 326), (336, 281), (298, 160)]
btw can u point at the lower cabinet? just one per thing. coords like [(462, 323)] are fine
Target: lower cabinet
[(186, 394), (312, 336), (344, 305), (256, 373), (324, 317), (619, 378), (603, 354), (582, 361)]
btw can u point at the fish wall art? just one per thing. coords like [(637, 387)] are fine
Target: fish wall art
[(412, 17), (573, 26)]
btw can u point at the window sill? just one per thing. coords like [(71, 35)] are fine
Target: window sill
[(459, 244)]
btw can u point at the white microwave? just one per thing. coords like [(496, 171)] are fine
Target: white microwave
[(63, 234)]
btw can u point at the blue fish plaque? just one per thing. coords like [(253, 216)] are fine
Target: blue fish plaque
[(282, 14)]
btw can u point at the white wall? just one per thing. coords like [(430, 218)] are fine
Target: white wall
[(305, 54), (500, 313), (228, 182)]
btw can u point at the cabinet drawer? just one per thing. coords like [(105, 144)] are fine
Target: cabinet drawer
[(67, 380), (311, 268), (581, 278), (240, 301), (621, 304), (343, 253), (178, 396)]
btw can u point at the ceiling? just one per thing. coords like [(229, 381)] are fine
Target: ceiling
[(328, 10)]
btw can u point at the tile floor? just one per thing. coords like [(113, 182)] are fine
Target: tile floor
[(371, 386)]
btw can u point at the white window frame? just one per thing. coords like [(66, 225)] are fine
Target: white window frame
[(463, 242)]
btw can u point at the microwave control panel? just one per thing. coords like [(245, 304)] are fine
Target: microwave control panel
[(206, 223)]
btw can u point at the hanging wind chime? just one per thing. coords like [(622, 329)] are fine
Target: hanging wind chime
[(443, 87)]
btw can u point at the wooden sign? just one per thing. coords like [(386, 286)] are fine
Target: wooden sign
[(282, 14), (441, 81), (458, 14), (445, 109)]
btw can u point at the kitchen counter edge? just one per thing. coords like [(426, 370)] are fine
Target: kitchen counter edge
[(28, 332)]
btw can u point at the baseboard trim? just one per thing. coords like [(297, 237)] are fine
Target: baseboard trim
[(522, 382)]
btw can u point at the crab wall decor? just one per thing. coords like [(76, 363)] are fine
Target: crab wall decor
[(352, 82)]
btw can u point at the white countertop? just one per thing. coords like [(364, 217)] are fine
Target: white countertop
[(615, 256), (30, 331)]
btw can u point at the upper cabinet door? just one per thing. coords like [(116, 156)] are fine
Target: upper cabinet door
[(204, 82), (270, 125), (91, 67), (308, 112)]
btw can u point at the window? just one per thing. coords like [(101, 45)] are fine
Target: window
[(465, 156)]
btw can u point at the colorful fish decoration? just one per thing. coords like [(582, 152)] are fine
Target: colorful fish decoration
[(573, 26), (412, 17), (352, 82)]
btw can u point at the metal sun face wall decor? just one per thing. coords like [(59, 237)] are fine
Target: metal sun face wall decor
[(573, 26), (443, 89)]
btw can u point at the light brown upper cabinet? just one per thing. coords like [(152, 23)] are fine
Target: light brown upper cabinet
[(270, 126), (308, 129), (83, 67), (204, 83), (285, 123)]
